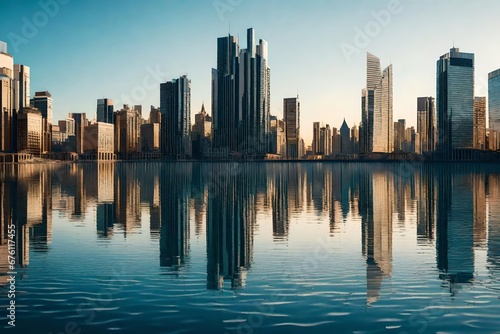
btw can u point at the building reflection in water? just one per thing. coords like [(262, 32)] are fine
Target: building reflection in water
[(230, 222), (493, 198), (377, 197), (278, 187), (456, 209), (175, 195), (426, 207), (25, 202), (455, 225), (106, 209)]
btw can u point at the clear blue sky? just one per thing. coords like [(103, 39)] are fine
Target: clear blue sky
[(107, 48)]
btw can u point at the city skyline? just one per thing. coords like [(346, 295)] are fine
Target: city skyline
[(330, 95)]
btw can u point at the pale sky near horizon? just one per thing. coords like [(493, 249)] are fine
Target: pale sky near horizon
[(123, 50)]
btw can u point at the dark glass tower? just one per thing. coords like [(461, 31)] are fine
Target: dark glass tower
[(105, 111), (455, 101), (175, 107), (241, 96)]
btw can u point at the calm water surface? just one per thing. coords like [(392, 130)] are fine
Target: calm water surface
[(253, 248)]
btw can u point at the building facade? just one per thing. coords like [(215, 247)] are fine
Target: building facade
[(455, 101), (6, 100), (127, 132), (99, 141), (150, 137), (291, 117), (105, 111), (30, 131), (377, 108), (494, 109), (480, 123), (426, 123), (241, 96), (175, 107), (201, 134)]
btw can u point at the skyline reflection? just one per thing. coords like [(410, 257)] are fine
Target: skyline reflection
[(455, 210)]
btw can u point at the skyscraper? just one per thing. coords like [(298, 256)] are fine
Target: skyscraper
[(291, 116), (6, 99), (399, 134), (377, 108), (127, 132), (22, 77), (105, 109), (494, 107), (480, 123), (455, 100), (345, 143), (241, 96), (175, 107), (316, 138), (426, 123), (80, 122), (43, 102)]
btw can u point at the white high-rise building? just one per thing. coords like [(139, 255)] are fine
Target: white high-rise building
[(377, 108), (7, 143)]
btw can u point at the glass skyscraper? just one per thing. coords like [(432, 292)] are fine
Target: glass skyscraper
[(105, 111), (426, 123), (241, 96), (377, 108), (291, 116), (494, 100), (175, 108), (455, 100), (6, 99)]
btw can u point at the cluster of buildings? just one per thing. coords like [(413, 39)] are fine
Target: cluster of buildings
[(451, 126)]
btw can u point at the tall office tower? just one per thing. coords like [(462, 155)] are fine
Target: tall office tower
[(175, 107), (225, 80), (241, 96), (6, 99), (291, 116), (494, 108), (21, 96), (377, 108), (426, 123), (345, 141), (254, 96), (355, 139), (326, 140), (43, 102), (127, 132), (480, 123), (455, 101), (399, 134), (22, 77), (316, 138), (105, 111), (80, 122)]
